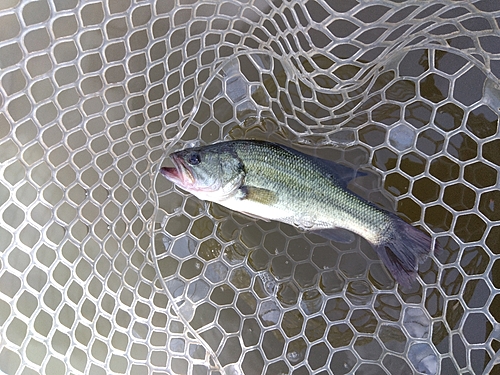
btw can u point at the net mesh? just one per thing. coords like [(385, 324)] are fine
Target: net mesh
[(107, 268)]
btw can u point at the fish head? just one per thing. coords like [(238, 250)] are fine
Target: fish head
[(211, 173)]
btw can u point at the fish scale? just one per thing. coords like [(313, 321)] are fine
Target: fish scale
[(310, 188)]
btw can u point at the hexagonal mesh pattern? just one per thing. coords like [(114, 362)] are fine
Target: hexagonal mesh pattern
[(107, 268)]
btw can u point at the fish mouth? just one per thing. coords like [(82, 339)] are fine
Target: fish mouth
[(180, 174)]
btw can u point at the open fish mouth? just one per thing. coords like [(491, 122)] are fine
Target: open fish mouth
[(180, 174)]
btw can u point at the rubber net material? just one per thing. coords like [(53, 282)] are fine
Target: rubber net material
[(106, 268)]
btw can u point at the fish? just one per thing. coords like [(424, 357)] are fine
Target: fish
[(274, 182)]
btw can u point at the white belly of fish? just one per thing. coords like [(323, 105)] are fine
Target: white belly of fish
[(258, 210), (281, 213)]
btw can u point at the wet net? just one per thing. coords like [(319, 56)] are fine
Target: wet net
[(106, 268)]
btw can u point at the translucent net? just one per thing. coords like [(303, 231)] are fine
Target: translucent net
[(107, 268)]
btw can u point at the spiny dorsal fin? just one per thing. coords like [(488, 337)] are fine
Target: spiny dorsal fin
[(341, 173)]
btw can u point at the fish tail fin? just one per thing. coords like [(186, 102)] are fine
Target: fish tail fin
[(403, 249)]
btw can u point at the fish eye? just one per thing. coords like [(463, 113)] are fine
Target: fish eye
[(194, 158)]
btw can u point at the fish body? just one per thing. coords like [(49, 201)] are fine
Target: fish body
[(270, 181)]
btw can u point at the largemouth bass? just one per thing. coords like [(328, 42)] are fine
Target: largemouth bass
[(273, 182)]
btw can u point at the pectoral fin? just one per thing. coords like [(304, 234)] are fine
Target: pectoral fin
[(259, 195)]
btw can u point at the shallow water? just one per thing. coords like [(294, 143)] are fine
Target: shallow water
[(106, 268)]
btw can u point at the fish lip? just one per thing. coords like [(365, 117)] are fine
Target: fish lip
[(180, 174)]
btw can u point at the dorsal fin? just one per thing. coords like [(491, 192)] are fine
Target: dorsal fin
[(340, 173)]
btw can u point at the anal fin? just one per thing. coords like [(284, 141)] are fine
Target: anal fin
[(336, 234), (257, 217)]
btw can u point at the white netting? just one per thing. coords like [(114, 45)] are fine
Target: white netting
[(107, 268)]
